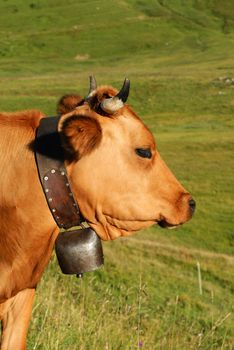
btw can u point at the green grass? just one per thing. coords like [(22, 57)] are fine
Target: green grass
[(147, 295)]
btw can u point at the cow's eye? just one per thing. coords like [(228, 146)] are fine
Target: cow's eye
[(144, 152)]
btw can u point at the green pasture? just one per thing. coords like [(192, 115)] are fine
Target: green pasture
[(179, 56)]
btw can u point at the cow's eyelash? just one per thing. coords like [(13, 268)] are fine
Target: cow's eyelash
[(144, 152)]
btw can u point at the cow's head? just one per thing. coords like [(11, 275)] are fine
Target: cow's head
[(118, 177)]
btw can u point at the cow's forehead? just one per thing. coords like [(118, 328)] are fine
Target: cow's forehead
[(125, 123), (139, 131), (128, 126)]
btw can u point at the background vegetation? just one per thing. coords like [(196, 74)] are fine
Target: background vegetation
[(179, 56)]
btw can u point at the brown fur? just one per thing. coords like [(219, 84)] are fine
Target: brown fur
[(80, 136), (118, 193), (102, 93), (27, 119), (68, 103)]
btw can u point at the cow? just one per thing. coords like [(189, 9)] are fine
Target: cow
[(119, 180)]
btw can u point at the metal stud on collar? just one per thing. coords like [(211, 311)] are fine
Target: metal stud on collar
[(54, 197)]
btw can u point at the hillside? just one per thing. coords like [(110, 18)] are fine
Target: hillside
[(77, 34), (179, 56)]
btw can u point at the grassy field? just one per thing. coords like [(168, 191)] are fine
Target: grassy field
[(179, 56)]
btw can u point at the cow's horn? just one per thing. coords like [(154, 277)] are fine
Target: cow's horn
[(113, 104), (93, 84), (124, 92)]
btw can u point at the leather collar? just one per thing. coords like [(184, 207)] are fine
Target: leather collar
[(53, 176)]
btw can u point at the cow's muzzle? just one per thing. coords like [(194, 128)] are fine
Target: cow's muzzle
[(190, 209)]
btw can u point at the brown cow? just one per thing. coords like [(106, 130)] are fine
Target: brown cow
[(119, 180)]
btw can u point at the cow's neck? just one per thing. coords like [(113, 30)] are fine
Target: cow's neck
[(28, 242), (27, 228)]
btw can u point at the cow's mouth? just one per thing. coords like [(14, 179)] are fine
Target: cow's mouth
[(165, 224)]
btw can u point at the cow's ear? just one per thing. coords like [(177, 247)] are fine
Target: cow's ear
[(68, 103), (80, 135)]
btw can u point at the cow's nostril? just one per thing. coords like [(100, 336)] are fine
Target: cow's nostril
[(192, 205)]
